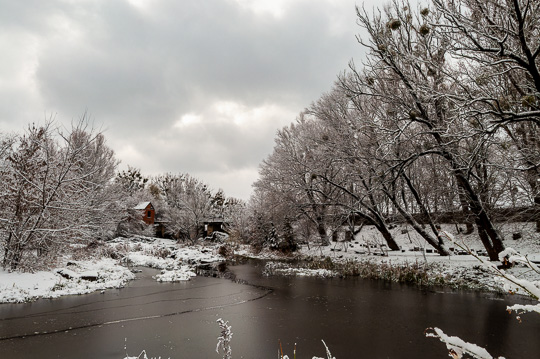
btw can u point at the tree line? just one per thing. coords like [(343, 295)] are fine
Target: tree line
[(60, 189), (442, 115)]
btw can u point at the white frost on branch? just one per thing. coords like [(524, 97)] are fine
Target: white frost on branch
[(328, 355), (457, 347), (511, 283), (520, 308), (512, 256)]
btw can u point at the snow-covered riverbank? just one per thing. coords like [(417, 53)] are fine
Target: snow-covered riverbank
[(95, 272), (415, 263), (109, 266)]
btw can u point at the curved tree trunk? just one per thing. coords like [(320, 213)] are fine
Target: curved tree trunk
[(490, 237), (436, 243), (376, 219)]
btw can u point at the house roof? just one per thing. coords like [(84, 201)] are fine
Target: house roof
[(214, 220), (142, 205)]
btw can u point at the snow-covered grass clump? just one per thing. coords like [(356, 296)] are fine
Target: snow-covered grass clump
[(139, 259), (179, 274), (163, 253), (280, 268)]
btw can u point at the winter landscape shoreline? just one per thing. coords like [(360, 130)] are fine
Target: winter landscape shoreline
[(109, 266)]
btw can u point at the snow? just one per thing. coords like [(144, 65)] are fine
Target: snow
[(182, 273), (178, 263), (141, 205), (272, 268), (85, 276), (458, 347), (24, 287)]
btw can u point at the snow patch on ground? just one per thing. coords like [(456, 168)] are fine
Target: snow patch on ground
[(182, 273), (280, 268), (177, 262), (24, 287)]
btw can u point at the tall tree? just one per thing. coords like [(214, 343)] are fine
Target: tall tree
[(188, 203), (50, 184), (502, 38), (297, 170), (408, 71)]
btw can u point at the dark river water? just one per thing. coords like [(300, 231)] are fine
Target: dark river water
[(356, 318)]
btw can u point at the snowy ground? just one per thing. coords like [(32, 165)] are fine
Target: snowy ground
[(82, 276)]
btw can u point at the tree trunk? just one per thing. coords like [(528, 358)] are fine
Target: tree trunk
[(537, 212), (7, 245), (321, 229), (423, 209), (534, 183), (378, 221), (389, 238), (494, 241), (434, 242), (380, 224), (466, 212)]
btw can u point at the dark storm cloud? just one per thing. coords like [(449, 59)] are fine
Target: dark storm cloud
[(139, 69)]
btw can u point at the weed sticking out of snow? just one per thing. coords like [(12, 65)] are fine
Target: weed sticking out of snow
[(224, 340), (142, 355)]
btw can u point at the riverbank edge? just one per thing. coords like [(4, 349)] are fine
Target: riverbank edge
[(418, 273)]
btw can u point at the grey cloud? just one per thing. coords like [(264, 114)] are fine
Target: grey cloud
[(138, 71), (214, 49)]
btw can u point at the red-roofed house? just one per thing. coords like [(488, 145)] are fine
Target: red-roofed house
[(147, 211)]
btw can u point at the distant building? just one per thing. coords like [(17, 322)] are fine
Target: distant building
[(212, 225), (147, 212)]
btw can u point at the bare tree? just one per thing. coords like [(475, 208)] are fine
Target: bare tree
[(359, 193), (52, 186), (503, 39), (407, 70), (298, 170), (188, 203)]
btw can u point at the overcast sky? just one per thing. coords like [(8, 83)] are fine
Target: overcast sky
[(181, 86)]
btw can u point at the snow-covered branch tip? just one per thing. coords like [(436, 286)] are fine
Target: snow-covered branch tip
[(328, 355), (224, 341), (458, 347), (511, 256)]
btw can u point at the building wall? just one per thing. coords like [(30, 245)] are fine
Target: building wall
[(149, 214)]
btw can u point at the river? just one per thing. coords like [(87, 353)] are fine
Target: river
[(356, 318)]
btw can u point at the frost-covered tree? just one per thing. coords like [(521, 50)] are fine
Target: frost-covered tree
[(498, 45), (361, 137), (269, 221), (131, 180), (408, 72), (188, 202), (359, 192), (54, 191), (236, 216), (297, 172)]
